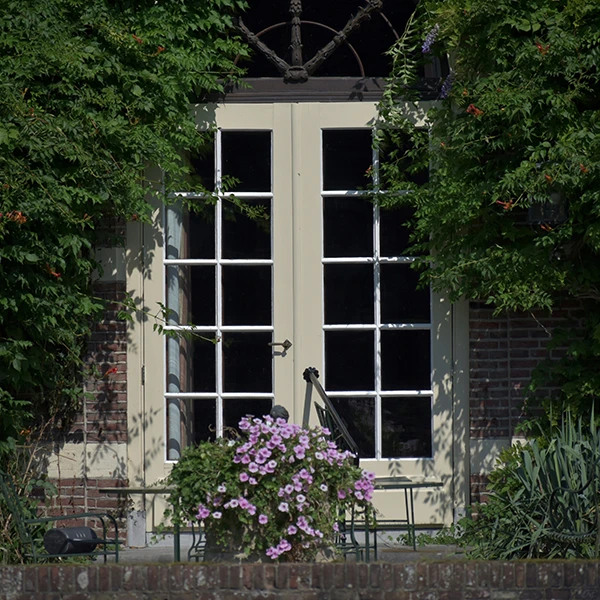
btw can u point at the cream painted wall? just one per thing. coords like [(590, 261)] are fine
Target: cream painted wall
[(485, 452), (92, 460)]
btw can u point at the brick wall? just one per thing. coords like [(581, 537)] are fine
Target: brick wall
[(522, 580), (503, 352), (101, 424), (78, 495), (106, 382)]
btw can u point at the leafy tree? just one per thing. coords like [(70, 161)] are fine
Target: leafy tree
[(511, 211), (90, 93)]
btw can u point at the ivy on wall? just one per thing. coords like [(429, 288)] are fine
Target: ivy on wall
[(511, 211), (90, 93)]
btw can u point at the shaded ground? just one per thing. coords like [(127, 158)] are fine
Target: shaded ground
[(397, 554)]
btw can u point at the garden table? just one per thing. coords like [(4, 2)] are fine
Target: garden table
[(409, 486)]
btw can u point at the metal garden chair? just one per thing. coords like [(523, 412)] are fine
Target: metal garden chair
[(75, 544)]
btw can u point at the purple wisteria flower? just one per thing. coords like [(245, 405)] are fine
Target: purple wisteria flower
[(430, 39), (447, 86)]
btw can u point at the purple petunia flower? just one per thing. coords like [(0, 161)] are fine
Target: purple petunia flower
[(203, 512), (263, 519)]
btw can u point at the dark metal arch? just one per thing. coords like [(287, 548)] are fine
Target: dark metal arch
[(300, 70), (277, 25)]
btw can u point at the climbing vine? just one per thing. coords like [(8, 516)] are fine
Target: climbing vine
[(91, 93), (510, 213)]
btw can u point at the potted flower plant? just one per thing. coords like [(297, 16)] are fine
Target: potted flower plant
[(275, 491)]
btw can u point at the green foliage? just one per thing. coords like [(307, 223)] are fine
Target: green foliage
[(278, 490), (516, 122), (575, 374), (90, 94), (520, 121), (23, 470), (543, 501), (447, 536)]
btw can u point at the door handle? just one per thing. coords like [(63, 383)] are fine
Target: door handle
[(286, 344)]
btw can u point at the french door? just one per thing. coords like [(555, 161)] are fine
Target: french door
[(317, 275)]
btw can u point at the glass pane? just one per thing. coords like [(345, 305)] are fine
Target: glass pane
[(204, 363), (202, 163), (347, 227), (394, 231), (247, 362), (246, 295), (347, 158), (397, 167), (191, 364), (358, 415), (201, 233), (401, 301), (349, 294), (205, 420), (406, 427), (236, 408), (247, 157), (349, 360), (190, 234), (405, 360), (191, 294), (247, 236)]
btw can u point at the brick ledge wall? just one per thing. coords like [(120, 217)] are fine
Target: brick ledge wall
[(469, 580)]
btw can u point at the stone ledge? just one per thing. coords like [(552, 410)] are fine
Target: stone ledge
[(438, 580)]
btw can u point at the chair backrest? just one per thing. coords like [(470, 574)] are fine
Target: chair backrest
[(14, 507), (329, 417)]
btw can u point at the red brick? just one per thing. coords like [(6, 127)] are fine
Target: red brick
[(282, 577), (270, 575)]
